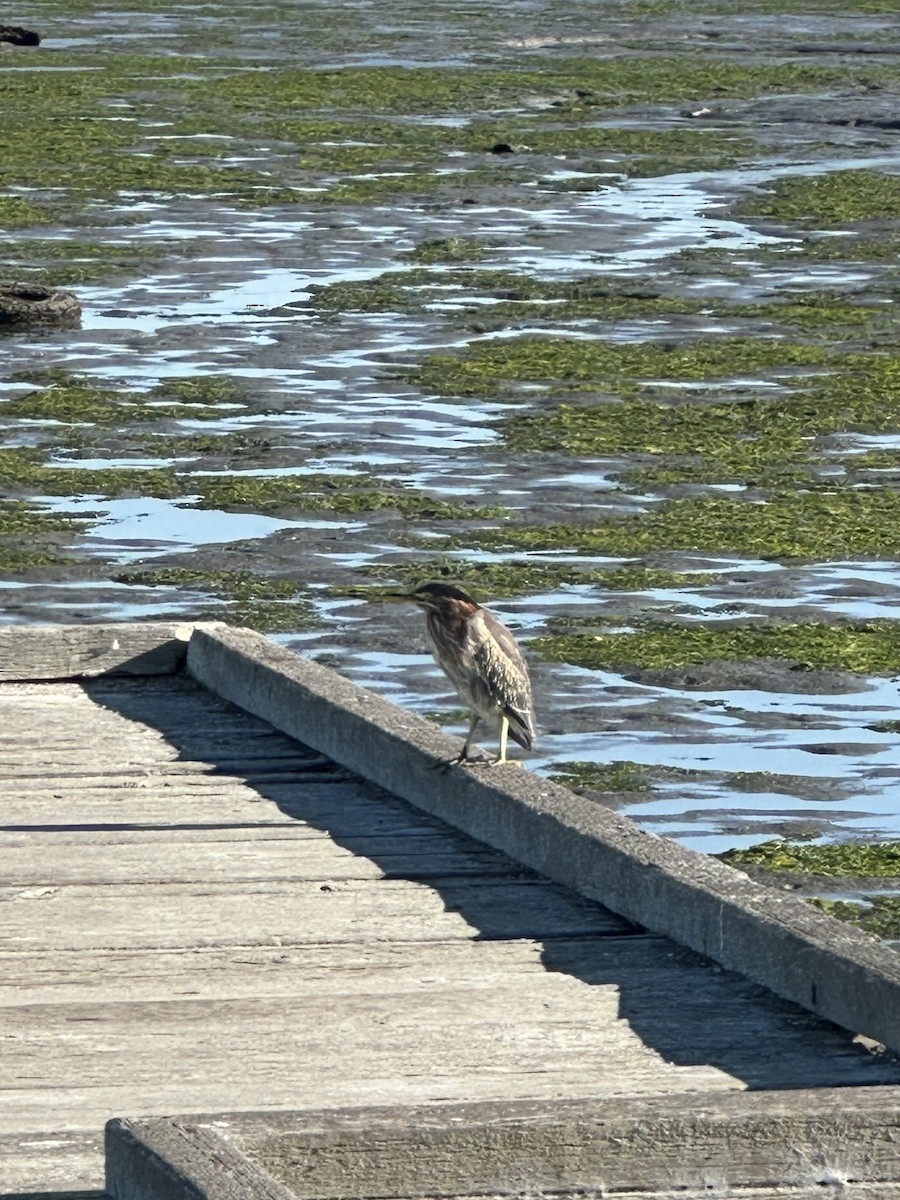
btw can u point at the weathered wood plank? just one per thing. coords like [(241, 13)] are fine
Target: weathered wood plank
[(205, 914), (368, 1049), (714, 1190), (151, 779), (49, 762), (236, 971), (744, 1139), (41, 840), (39, 1162), (148, 802), (311, 859), (549, 1152), (688, 1012), (31, 652), (184, 1164), (157, 916)]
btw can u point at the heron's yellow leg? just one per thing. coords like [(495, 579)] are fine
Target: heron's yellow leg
[(504, 737), (472, 727)]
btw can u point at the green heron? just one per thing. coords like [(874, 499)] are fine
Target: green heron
[(480, 657)]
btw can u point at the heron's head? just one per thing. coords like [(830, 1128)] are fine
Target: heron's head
[(442, 598)]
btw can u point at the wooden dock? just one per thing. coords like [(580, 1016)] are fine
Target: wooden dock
[(203, 915)]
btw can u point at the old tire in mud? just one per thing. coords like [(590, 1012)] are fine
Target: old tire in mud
[(17, 36), (28, 303)]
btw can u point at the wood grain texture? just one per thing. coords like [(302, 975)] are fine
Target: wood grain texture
[(55, 1162), (30, 652), (824, 1141), (685, 1141), (200, 914)]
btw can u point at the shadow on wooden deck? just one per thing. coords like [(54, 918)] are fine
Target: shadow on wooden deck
[(684, 1007)]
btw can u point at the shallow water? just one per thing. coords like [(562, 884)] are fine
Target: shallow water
[(232, 298)]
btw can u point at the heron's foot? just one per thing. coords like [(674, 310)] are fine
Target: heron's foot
[(464, 759), (478, 760)]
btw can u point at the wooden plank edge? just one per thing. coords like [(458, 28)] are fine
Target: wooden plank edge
[(163, 1159), (705, 1141), (31, 653), (800, 953), (80, 1194)]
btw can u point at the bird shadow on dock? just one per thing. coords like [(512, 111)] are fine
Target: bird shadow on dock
[(682, 1007)]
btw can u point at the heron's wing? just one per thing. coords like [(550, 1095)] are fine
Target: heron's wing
[(505, 672)]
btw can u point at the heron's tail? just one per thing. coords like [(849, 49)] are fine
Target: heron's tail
[(521, 727)]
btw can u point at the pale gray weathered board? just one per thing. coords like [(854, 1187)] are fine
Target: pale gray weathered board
[(76, 651), (202, 915)]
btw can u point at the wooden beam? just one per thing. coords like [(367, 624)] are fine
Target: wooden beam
[(676, 1144), (30, 652)]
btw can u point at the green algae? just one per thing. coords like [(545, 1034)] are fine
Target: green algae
[(27, 472), (749, 441), (18, 517), (266, 604), (717, 431), (428, 154), (634, 578), (871, 647), (581, 363), (856, 859), (768, 440), (879, 915), (846, 248), (647, 579), (625, 776), (15, 561), (584, 84), (602, 777), (555, 139), (20, 214), (447, 250), (514, 295), (744, 470), (821, 7), (59, 126), (66, 262), (413, 183), (107, 123), (819, 312), (101, 175), (218, 444), (19, 471), (333, 493), (210, 390), (632, 153), (232, 583), (821, 525), (71, 400), (511, 293), (519, 577), (332, 160), (390, 292), (831, 199), (31, 536)]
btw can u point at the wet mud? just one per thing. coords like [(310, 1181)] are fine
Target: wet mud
[(590, 309)]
